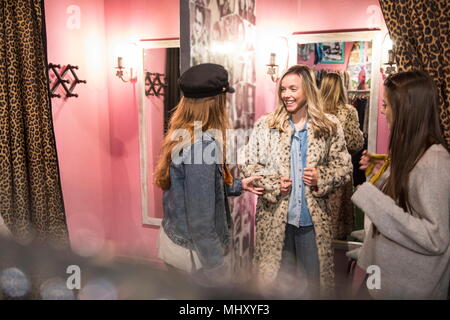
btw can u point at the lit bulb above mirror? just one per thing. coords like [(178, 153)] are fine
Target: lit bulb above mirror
[(388, 56)]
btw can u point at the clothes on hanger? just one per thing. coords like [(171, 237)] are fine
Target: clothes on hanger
[(318, 53), (360, 100)]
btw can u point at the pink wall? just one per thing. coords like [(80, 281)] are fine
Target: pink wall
[(127, 21), (97, 133), (82, 128)]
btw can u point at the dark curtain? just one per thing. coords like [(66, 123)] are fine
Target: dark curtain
[(30, 194), (420, 30), (172, 91)]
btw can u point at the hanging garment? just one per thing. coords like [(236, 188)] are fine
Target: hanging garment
[(361, 106), (318, 53)]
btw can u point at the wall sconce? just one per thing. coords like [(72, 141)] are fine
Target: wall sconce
[(389, 65), (272, 68), (127, 75)]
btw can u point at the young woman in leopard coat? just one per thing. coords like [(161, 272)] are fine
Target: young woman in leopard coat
[(334, 99), (322, 163)]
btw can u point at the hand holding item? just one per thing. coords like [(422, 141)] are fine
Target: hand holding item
[(310, 176), (286, 185), (247, 185), (374, 165), (371, 161)]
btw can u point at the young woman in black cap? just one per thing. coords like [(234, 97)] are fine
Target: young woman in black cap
[(195, 179)]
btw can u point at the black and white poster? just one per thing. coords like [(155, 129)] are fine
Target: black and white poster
[(223, 32)]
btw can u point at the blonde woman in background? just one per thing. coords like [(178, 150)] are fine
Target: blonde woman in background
[(334, 100)]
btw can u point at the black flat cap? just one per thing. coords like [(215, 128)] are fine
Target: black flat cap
[(204, 80)]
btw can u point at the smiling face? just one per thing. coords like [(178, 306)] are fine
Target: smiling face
[(291, 93)]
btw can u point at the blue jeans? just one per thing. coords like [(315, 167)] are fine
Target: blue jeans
[(299, 273)]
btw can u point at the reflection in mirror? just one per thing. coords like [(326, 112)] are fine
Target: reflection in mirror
[(355, 56), (158, 94)]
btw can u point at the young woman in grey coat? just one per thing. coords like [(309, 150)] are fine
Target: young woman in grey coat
[(406, 249)]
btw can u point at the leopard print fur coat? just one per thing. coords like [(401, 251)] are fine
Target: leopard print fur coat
[(267, 154)]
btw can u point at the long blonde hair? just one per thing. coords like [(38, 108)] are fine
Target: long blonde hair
[(212, 114), (322, 126), (332, 93)]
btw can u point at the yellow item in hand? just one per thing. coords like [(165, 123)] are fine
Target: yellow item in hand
[(371, 167)]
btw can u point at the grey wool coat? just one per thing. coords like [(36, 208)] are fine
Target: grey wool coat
[(267, 154), (412, 249)]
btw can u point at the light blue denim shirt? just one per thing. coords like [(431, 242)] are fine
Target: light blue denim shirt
[(298, 213)]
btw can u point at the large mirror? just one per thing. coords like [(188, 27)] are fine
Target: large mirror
[(356, 56), (158, 67)]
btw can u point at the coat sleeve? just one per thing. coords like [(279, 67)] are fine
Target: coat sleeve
[(338, 169), (427, 233), (353, 135), (200, 201), (253, 162)]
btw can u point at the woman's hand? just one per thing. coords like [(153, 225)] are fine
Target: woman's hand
[(285, 185), (247, 185), (368, 159), (310, 176)]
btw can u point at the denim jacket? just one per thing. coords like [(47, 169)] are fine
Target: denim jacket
[(196, 211)]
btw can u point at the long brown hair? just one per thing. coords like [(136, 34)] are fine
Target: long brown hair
[(412, 96), (211, 112), (322, 126), (332, 93)]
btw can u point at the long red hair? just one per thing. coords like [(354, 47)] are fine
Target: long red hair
[(212, 114)]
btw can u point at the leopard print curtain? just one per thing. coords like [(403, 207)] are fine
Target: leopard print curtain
[(31, 202), (420, 30)]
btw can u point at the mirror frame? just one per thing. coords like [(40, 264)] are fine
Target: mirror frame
[(374, 36), (143, 127)]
